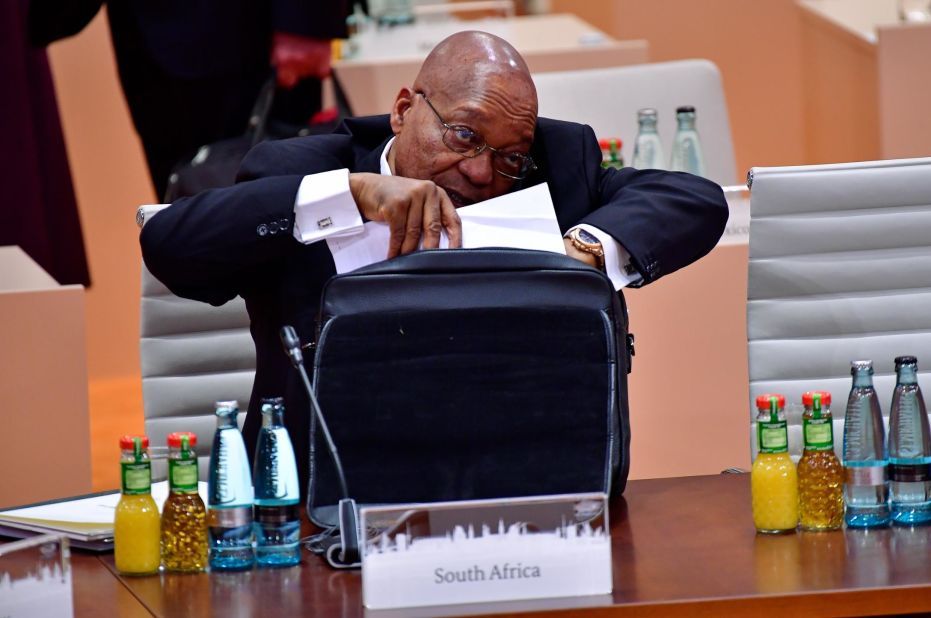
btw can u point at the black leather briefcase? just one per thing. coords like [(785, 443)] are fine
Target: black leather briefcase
[(467, 374)]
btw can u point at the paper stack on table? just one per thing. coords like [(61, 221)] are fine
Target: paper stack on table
[(84, 518)]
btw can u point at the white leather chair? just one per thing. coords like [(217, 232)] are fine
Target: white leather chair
[(192, 355), (840, 269), (608, 100)]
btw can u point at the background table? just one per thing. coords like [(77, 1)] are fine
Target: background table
[(865, 78), (681, 547), (389, 58)]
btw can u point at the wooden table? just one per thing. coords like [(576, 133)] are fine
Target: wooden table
[(681, 547)]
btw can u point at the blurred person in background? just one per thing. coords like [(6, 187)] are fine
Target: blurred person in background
[(38, 211), (191, 69)]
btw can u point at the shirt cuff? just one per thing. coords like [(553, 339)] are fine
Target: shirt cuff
[(618, 266), (324, 207)]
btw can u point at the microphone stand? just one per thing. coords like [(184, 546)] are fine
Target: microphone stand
[(345, 554)]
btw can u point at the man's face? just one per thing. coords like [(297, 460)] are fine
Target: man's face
[(504, 115)]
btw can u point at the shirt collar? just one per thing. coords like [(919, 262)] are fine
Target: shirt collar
[(385, 169)]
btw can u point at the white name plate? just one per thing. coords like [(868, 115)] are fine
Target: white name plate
[(486, 550)]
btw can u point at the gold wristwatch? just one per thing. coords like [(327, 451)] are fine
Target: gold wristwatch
[(587, 242)]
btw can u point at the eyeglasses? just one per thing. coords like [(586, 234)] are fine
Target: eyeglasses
[(470, 143)]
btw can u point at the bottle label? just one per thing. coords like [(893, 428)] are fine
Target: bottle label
[(865, 475), (819, 434), (280, 514), (182, 474), (909, 473), (772, 437), (233, 517), (137, 478)]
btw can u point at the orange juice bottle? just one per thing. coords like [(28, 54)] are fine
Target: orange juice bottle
[(773, 479), (136, 526)]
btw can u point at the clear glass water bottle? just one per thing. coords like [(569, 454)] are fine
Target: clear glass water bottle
[(865, 489), (686, 147), (909, 447), (277, 493), (648, 150), (229, 495)]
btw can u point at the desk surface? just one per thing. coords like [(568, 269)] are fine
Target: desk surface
[(681, 547)]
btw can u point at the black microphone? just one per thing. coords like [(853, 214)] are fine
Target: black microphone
[(346, 554)]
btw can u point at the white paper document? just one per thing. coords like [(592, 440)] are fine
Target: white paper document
[(524, 219), (92, 516)]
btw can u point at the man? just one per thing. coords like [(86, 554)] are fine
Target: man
[(467, 130)]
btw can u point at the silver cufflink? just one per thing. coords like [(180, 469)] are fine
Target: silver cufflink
[(324, 223)]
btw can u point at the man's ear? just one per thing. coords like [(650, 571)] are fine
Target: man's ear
[(402, 105)]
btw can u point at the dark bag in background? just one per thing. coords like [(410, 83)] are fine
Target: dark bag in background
[(466, 374), (215, 165)]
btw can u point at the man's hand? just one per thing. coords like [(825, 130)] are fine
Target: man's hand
[(296, 57), (582, 256), (413, 209)]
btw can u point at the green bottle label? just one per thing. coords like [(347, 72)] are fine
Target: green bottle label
[(182, 474), (772, 437), (819, 434), (137, 478)]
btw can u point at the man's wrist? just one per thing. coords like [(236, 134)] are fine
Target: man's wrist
[(586, 244)]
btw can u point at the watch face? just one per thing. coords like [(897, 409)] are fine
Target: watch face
[(587, 237)]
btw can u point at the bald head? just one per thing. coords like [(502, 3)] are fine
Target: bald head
[(468, 121), (470, 63)]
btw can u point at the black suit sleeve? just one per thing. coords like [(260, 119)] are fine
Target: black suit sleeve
[(665, 220), (224, 243)]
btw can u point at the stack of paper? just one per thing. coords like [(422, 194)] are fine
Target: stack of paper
[(85, 519)]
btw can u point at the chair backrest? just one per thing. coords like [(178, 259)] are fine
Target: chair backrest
[(608, 100), (192, 354), (840, 269)]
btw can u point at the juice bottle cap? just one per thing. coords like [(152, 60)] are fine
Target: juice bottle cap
[(808, 398), (126, 442), (174, 439), (762, 402), (605, 143)]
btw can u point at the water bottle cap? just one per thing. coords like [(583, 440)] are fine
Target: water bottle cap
[(223, 408), (860, 365), (126, 442), (646, 111), (808, 398), (905, 360), (174, 439), (762, 402), (685, 109)]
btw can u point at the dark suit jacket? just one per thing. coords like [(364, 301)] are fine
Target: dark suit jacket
[(238, 240)]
